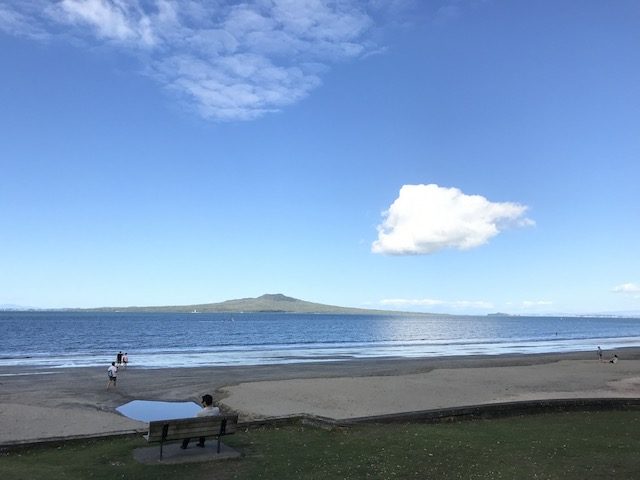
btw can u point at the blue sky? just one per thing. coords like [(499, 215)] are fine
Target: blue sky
[(441, 156)]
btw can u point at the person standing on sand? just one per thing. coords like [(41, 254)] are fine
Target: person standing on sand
[(125, 359), (599, 353), (208, 410), (119, 358), (112, 373)]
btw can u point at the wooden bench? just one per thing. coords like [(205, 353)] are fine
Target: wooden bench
[(181, 428)]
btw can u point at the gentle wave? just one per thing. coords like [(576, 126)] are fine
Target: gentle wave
[(167, 340)]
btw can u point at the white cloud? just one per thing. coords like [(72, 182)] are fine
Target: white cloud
[(536, 303), (423, 302), (112, 19), (427, 218), (430, 302), (15, 22), (628, 288), (447, 12), (228, 60), (475, 304), (239, 87)]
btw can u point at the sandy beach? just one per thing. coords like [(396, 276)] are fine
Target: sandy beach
[(54, 403)]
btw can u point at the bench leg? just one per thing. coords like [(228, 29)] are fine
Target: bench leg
[(223, 429), (165, 430)]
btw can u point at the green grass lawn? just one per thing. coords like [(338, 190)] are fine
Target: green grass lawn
[(581, 446)]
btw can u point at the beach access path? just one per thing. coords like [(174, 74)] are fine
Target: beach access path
[(38, 404)]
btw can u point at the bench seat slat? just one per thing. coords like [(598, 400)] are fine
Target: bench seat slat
[(190, 427)]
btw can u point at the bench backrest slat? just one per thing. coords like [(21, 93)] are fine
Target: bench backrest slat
[(191, 427)]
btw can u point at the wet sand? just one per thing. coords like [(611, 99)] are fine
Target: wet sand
[(36, 404)]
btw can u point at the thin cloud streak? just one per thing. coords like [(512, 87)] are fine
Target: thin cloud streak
[(463, 305), (627, 288), (536, 303), (430, 302)]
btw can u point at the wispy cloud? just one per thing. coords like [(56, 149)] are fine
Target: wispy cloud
[(450, 10), (430, 302), (427, 218), (228, 60), (536, 303), (422, 302), (463, 305), (21, 21), (120, 20), (627, 288)]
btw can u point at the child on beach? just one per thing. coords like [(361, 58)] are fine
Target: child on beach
[(125, 359), (614, 359), (600, 353), (112, 373)]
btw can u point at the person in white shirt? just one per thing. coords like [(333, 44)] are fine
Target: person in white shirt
[(112, 373), (208, 410)]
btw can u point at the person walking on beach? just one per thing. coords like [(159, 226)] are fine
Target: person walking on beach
[(112, 373), (119, 358), (599, 353), (208, 410), (125, 359)]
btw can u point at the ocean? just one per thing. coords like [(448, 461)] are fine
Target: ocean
[(46, 340)]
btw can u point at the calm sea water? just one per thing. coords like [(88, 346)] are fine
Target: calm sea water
[(62, 339)]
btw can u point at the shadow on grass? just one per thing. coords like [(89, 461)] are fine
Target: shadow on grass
[(567, 446)]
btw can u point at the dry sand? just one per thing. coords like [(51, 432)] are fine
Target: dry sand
[(74, 402)]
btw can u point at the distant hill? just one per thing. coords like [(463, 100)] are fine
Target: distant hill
[(277, 303), (14, 308)]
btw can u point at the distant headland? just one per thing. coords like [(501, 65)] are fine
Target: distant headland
[(279, 303), (268, 303)]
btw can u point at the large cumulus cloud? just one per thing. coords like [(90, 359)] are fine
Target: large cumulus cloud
[(427, 218)]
